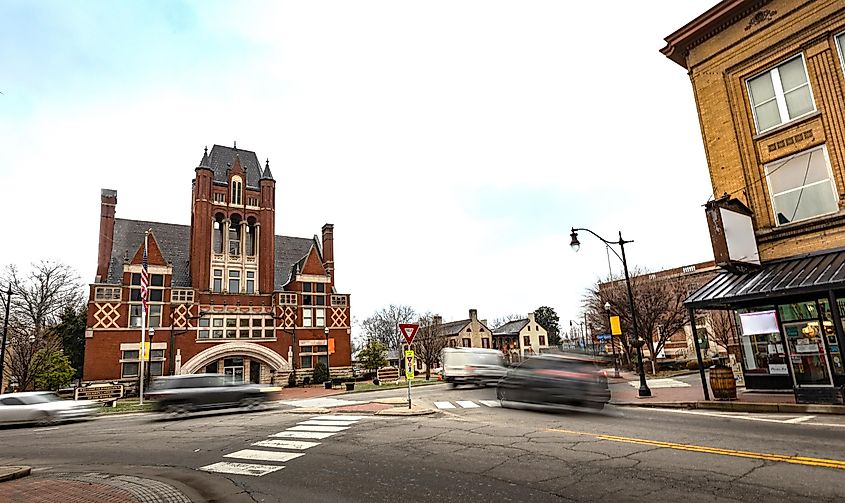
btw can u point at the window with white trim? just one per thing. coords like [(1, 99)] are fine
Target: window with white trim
[(287, 299), (130, 363), (801, 186), (313, 294), (237, 190), (319, 317), (219, 197), (339, 301), (310, 354), (234, 281), (252, 201), (781, 94), (840, 44), (102, 293), (236, 327), (182, 296), (217, 281), (307, 320), (250, 282)]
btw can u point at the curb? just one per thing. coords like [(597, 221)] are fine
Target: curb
[(401, 411), (741, 406), (13, 472), (309, 410)]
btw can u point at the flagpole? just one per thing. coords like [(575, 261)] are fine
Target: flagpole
[(143, 327)]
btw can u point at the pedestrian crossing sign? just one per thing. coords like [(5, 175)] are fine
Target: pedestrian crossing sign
[(409, 364)]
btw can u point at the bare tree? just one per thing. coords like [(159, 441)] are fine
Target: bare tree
[(722, 328), (429, 342), (659, 304), (501, 320), (383, 325), (38, 300)]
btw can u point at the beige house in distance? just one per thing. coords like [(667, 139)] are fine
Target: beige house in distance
[(521, 338), (470, 333)]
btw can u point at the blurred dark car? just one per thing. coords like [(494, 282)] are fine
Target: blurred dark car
[(43, 407), (178, 395), (555, 379)]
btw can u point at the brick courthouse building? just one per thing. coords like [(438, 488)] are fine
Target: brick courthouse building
[(226, 294)]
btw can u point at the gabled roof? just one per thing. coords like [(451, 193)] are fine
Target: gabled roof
[(453, 327), (175, 243), (222, 158), (511, 327)]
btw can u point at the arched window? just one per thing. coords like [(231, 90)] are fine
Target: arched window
[(235, 235), (237, 190), (217, 233), (250, 237)]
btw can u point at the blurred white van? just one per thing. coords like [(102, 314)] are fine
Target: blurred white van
[(476, 366)]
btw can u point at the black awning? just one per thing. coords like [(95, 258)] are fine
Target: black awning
[(807, 274)]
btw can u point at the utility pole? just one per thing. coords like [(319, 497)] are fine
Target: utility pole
[(5, 331)]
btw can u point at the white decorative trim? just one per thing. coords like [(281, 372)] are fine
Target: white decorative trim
[(263, 353), (131, 346), (313, 278)]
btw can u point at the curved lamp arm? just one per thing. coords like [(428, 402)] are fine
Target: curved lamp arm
[(575, 244)]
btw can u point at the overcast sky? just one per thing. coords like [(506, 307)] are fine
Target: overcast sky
[(452, 143)]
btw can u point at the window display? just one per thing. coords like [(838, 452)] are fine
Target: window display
[(764, 354)]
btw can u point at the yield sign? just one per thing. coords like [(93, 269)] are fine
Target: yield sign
[(409, 330)]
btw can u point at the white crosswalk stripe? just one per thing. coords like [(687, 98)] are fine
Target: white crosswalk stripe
[(297, 445), (467, 404), (332, 429), (315, 422), (444, 405), (491, 403), (339, 417), (257, 455), (302, 434), (241, 468)]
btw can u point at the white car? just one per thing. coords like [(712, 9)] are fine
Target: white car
[(43, 407)]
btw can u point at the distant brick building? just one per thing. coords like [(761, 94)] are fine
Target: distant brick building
[(226, 294)]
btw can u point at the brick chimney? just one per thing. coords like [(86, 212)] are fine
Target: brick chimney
[(473, 314), (328, 250), (438, 320), (108, 203)]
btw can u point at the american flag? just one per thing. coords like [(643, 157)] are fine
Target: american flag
[(145, 278)]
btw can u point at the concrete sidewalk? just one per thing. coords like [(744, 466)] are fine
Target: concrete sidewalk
[(685, 391)]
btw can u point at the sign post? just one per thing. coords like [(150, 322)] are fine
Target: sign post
[(409, 330)]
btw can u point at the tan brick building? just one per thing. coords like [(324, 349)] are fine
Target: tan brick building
[(226, 294), (768, 79)]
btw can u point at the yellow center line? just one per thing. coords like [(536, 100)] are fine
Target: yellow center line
[(797, 460)]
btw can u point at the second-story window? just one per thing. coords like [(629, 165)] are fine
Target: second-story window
[(313, 294), (155, 298), (801, 186), (781, 94)]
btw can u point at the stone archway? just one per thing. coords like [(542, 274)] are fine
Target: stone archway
[(252, 350)]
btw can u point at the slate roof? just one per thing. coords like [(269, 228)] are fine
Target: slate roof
[(175, 243), (807, 274), (222, 158), (454, 327), (511, 327)]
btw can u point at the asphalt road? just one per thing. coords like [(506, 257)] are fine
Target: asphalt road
[(467, 451)]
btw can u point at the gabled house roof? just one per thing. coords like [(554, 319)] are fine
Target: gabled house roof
[(175, 243), (511, 327), (453, 328)]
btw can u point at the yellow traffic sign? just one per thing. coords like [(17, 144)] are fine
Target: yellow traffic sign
[(409, 364)]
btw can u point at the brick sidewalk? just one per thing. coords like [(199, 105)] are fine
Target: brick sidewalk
[(303, 392), (623, 392), (88, 488)]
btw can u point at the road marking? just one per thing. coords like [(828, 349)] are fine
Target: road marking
[(339, 417), (491, 403), (467, 404), (297, 445), (302, 434), (314, 422), (796, 460), (256, 455), (795, 420), (799, 419), (333, 429), (241, 468), (444, 405)]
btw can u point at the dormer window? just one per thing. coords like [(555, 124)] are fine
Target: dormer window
[(237, 191)]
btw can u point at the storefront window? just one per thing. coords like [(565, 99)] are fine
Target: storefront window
[(830, 335), (806, 342), (762, 345)]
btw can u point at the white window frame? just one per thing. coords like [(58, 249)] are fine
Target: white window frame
[(229, 280), (840, 48), (339, 301), (181, 296), (830, 181), (214, 277), (287, 299), (319, 317), (307, 317), (780, 94), (107, 293)]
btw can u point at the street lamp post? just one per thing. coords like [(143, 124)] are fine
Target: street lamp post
[(328, 362), (612, 343), (644, 391)]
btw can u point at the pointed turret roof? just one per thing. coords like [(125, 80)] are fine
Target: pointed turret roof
[(267, 175)]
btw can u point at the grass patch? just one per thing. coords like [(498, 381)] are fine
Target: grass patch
[(127, 405), (361, 387)]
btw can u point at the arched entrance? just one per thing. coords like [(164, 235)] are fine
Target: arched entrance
[(231, 356)]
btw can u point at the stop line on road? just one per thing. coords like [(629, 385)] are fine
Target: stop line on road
[(287, 444), (467, 404)]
